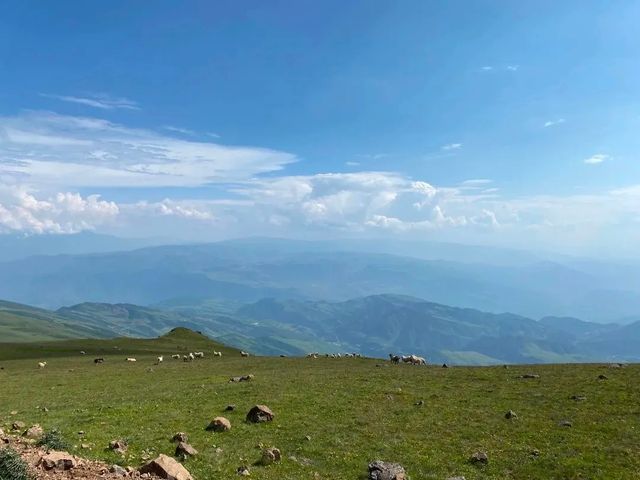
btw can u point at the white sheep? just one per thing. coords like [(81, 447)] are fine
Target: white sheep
[(160, 359), (130, 359), (244, 354), (199, 355), (217, 354), (42, 364), (176, 356)]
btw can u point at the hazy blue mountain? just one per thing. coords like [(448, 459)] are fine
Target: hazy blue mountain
[(248, 270), (14, 247)]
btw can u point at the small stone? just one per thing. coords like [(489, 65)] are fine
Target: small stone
[(13, 412), (185, 450), (270, 455), (535, 452), (118, 470), (510, 415), (18, 425), (57, 460), (530, 375), (479, 458), (379, 470), (218, 450), (166, 467), (81, 432), (565, 423), (219, 424), (578, 398), (180, 437), (45, 409), (119, 446), (419, 403), (602, 377), (243, 471), (260, 413), (307, 438), (34, 431), (85, 446), (229, 408)]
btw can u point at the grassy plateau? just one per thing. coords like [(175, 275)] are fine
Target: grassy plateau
[(332, 416)]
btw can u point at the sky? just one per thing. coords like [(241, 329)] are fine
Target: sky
[(486, 122)]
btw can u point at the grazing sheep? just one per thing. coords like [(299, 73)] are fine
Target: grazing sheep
[(217, 354), (131, 360), (394, 358), (82, 352), (199, 355), (191, 357), (176, 356), (160, 359), (98, 360), (244, 354), (42, 364)]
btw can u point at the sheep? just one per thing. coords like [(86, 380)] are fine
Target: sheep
[(394, 358), (217, 354), (176, 356), (98, 360), (131, 360), (42, 364), (244, 354), (191, 357), (82, 352), (199, 355), (160, 359)]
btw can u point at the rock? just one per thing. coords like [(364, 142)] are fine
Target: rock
[(243, 471), (118, 470), (270, 455), (57, 460), (535, 452), (18, 425), (307, 438), (242, 378), (419, 403), (119, 446), (185, 450), (219, 424), (85, 446), (565, 423), (34, 431), (166, 467), (229, 408), (379, 470), (578, 398), (180, 437), (510, 415), (479, 458), (530, 375), (602, 377), (260, 413)]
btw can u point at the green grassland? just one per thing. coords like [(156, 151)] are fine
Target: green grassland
[(353, 411)]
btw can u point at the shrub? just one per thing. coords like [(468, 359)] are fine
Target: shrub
[(53, 440), (12, 467)]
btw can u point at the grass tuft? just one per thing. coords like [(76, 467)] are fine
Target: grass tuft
[(12, 467), (53, 440)]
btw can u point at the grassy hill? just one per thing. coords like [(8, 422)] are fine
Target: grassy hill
[(333, 416)]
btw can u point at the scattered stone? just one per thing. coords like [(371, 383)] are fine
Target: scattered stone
[(34, 431), (535, 452), (510, 415), (602, 377), (57, 460), (119, 446), (118, 470), (578, 398), (307, 438), (180, 437), (260, 413), (243, 471), (45, 409), (85, 446), (229, 408), (219, 424), (379, 470), (218, 451), (565, 423), (81, 432), (185, 450), (166, 467), (269, 456), (419, 403), (479, 458), (18, 425), (13, 412), (530, 375), (242, 378)]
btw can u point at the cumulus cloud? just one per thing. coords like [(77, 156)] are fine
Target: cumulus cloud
[(21, 211), (43, 148), (597, 158), (101, 101)]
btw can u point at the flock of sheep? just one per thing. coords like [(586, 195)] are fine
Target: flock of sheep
[(412, 359)]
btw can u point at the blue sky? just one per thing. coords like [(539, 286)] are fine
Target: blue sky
[(486, 122)]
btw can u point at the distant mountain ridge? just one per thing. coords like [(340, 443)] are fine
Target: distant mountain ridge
[(373, 325), (249, 270)]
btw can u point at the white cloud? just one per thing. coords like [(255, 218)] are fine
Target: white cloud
[(183, 131), (352, 164), (22, 211), (486, 68), (102, 101), (451, 146), (598, 158), (553, 123), (513, 68), (46, 149)]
